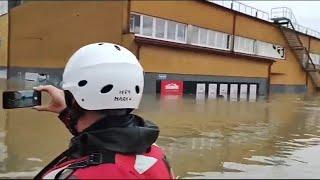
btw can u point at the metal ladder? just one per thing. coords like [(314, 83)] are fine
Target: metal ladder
[(300, 52)]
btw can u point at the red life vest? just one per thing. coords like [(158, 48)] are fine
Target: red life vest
[(150, 165)]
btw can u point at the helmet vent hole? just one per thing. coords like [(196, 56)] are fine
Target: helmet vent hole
[(100, 44), (82, 83), (137, 89), (82, 100), (106, 88), (117, 47)]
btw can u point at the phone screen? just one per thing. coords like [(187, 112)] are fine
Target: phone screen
[(21, 99)]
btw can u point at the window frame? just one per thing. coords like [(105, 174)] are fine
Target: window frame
[(142, 26), (165, 38), (221, 40), (244, 45), (155, 28)]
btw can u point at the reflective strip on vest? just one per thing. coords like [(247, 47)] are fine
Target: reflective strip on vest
[(143, 163)]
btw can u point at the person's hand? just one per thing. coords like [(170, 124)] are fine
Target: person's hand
[(57, 103)]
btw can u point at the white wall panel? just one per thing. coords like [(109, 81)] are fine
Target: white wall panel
[(243, 91), (252, 92), (223, 90), (201, 91), (234, 92), (212, 91)]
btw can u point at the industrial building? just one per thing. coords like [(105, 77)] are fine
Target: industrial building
[(186, 47)]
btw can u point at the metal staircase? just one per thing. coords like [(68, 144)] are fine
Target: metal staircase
[(302, 54)]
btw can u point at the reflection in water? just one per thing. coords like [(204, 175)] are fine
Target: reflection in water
[(202, 138)]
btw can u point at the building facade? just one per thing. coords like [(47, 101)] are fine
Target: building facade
[(207, 47), (3, 41)]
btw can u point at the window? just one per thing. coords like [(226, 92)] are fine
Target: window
[(315, 58), (3, 7), (181, 34), (135, 23), (244, 45), (160, 28), (209, 38), (219, 40), (269, 50), (212, 38), (203, 36), (194, 35), (171, 33), (229, 37), (147, 25)]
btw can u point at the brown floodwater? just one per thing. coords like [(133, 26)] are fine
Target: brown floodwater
[(277, 138)]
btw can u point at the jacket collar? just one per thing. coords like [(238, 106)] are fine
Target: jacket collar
[(128, 134)]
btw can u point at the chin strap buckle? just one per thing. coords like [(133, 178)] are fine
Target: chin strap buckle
[(95, 159)]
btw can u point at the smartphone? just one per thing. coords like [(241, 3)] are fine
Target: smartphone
[(21, 99)]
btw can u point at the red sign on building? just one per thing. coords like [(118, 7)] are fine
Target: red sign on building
[(172, 87)]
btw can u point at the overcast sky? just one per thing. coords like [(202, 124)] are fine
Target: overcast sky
[(307, 13)]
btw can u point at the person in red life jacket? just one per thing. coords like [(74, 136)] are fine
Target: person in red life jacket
[(102, 84)]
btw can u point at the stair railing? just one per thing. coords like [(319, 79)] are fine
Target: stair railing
[(304, 48)]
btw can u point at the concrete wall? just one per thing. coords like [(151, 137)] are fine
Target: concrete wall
[(259, 30), (45, 33), (169, 60), (314, 45), (3, 40), (288, 89), (310, 86), (305, 40), (288, 72)]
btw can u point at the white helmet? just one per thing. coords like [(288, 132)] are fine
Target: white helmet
[(104, 76)]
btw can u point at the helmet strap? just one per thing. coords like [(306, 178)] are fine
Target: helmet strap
[(76, 112)]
